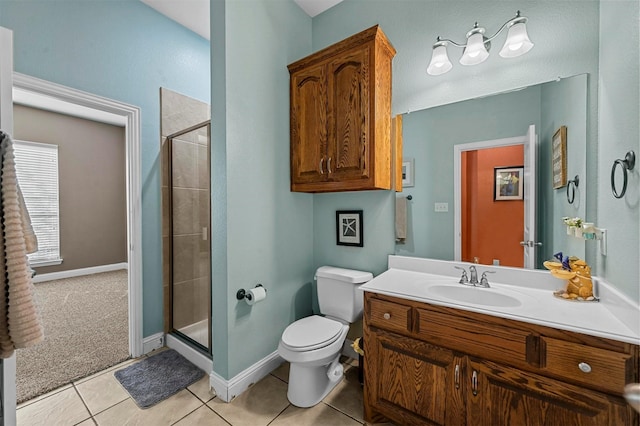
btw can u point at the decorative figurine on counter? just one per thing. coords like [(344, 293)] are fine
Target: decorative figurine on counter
[(577, 274)]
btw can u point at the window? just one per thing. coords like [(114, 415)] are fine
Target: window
[(37, 171)]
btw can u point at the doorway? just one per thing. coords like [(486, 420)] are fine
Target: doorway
[(42, 94), (492, 225), (528, 244)]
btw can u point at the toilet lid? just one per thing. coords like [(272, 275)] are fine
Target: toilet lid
[(311, 333)]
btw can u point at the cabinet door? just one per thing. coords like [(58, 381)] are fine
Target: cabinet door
[(416, 383), (309, 125), (349, 115), (498, 395)]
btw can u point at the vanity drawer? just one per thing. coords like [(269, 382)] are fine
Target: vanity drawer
[(475, 337), (594, 367), (390, 316)]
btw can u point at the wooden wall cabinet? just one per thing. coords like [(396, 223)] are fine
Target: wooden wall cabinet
[(427, 364), (340, 117)]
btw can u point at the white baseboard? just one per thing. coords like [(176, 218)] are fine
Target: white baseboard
[(40, 278), (152, 343), (197, 358), (226, 390)]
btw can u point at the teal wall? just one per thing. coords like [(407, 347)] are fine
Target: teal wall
[(568, 41), (269, 230), (564, 103), (121, 50), (619, 109)]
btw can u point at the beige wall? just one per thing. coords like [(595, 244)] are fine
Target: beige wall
[(91, 163)]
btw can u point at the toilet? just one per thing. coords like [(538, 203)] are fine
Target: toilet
[(313, 345)]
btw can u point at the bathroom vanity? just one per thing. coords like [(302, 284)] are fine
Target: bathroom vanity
[(511, 355)]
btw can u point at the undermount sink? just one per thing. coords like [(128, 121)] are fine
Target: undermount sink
[(475, 295)]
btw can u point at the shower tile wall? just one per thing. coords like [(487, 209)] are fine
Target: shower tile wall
[(190, 211)]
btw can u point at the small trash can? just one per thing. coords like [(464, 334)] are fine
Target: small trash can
[(358, 346)]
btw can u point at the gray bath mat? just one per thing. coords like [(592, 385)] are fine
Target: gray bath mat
[(158, 377)]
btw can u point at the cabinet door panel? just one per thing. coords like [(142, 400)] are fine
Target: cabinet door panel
[(308, 125), (417, 381), (348, 86), (506, 396)]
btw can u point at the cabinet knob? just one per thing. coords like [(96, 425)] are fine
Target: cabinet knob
[(584, 367), (329, 165), (320, 166), (386, 315)]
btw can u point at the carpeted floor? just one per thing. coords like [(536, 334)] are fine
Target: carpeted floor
[(86, 330)]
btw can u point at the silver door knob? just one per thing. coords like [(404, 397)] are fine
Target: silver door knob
[(530, 243)]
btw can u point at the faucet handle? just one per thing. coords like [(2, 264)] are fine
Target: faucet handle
[(464, 279), (484, 282)]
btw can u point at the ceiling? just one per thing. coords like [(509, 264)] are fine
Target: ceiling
[(194, 14)]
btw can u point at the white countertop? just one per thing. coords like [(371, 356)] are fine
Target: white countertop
[(612, 317)]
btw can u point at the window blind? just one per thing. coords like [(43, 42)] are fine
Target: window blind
[(37, 172)]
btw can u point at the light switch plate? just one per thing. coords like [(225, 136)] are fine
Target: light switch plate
[(442, 207)]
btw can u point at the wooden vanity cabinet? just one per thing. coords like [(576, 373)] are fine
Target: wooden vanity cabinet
[(340, 116), (427, 364)]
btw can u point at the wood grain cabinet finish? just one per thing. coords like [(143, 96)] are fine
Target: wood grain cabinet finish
[(340, 116), (427, 364)]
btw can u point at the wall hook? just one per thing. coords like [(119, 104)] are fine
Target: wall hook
[(571, 189), (627, 164)]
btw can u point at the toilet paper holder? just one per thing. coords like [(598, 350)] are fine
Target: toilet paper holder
[(243, 294)]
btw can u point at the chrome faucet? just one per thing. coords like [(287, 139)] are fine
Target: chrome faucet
[(473, 281), (464, 279), (484, 281), (474, 275)]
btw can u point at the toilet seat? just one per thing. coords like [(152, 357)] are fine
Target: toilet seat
[(311, 333)]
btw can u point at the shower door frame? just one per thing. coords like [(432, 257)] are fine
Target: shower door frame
[(207, 123)]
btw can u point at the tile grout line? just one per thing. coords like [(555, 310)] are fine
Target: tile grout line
[(83, 403), (189, 413), (279, 414), (342, 412)]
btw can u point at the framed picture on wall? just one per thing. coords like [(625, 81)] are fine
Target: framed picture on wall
[(407, 172), (559, 157), (349, 228), (508, 183)]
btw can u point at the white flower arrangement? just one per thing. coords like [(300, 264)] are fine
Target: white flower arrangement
[(574, 222)]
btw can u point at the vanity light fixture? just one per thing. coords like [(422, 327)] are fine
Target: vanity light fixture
[(476, 50)]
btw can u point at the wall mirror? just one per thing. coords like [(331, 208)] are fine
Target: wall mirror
[(491, 229)]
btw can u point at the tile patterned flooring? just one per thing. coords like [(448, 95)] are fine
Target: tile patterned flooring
[(101, 400)]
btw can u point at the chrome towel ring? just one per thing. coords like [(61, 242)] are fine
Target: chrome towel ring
[(571, 189), (627, 164)]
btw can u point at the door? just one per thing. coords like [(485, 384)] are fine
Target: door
[(499, 395), (529, 239), (349, 134), (8, 370), (418, 382), (309, 125)]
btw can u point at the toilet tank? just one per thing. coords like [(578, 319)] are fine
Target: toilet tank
[(339, 294)]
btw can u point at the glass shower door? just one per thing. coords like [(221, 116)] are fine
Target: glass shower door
[(189, 174)]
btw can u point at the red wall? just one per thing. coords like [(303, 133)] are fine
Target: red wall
[(490, 229)]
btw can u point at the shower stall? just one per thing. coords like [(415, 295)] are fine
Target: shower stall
[(187, 214)]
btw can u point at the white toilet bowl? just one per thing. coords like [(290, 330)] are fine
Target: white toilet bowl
[(313, 346)]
